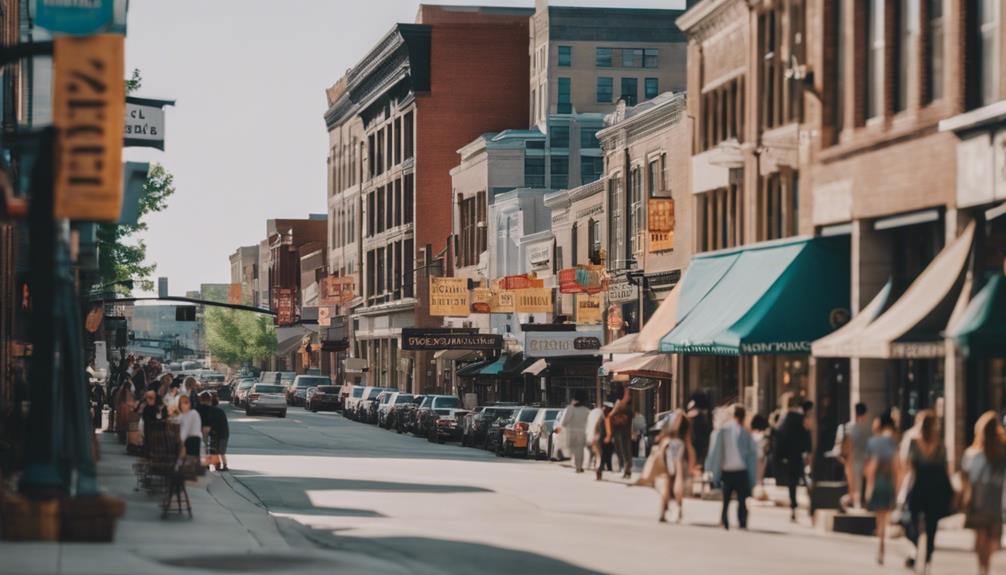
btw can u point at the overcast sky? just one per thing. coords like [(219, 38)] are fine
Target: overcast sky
[(246, 140)]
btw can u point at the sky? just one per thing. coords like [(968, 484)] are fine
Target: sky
[(246, 141)]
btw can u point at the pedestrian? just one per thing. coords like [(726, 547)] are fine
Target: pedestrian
[(931, 493), (190, 431), (701, 424), (98, 397), (851, 441), (733, 463), (620, 430), (678, 458), (791, 445), (596, 415), (163, 384), (881, 469), (759, 432), (639, 434), (601, 445), (983, 470), (217, 428), (171, 398), (573, 429)]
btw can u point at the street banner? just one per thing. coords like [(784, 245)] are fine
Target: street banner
[(449, 296), (533, 300), (88, 112), (284, 306), (660, 223), (482, 300), (144, 122), (503, 302), (567, 281), (234, 293), (435, 339), (75, 17), (588, 309)]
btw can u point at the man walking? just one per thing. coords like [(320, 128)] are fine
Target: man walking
[(791, 448), (573, 427), (620, 426), (851, 445), (733, 461)]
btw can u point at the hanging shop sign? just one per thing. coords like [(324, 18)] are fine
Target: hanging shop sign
[(567, 281), (481, 300), (75, 17), (325, 314), (510, 283), (660, 223), (621, 291), (503, 302), (539, 257), (434, 339), (591, 278), (144, 122), (284, 302), (449, 296), (336, 290), (533, 300), (88, 111), (562, 343), (588, 309)]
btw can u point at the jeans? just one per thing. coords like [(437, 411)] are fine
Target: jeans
[(792, 472), (736, 482), (623, 447)]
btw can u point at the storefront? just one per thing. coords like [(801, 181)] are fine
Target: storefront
[(566, 359)]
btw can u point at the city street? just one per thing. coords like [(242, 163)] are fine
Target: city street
[(435, 508)]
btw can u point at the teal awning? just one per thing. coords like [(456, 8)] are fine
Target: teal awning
[(982, 327), (769, 298), (473, 369)]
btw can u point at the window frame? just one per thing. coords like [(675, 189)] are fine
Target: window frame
[(610, 89), (564, 105), (647, 93), (567, 61)]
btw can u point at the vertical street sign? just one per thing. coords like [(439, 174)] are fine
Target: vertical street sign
[(75, 17), (88, 113)]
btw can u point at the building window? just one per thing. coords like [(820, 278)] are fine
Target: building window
[(408, 267), (534, 104), (605, 89), (408, 198), (836, 76), (371, 210), (875, 59), (588, 137), (389, 207), (630, 91), (591, 168), (379, 150), (778, 205), (558, 135), (989, 69), (534, 171), (565, 56), (908, 25), (370, 274), (797, 35), (636, 221), (594, 241), (603, 57), (560, 172), (934, 45), (379, 272), (468, 240), (398, 141), (389, 156), (651, 87), (408, 125), (719, 218), (617, 246), (722, 114), (397, 279), (655, 177), (574, 242), (565, 100), (371, 156), (651, 58), (772, 82), (632, 57), (398, 202)]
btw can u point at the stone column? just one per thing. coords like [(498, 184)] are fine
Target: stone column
[(871, 268)]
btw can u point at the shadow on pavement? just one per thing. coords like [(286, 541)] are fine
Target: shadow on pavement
[(328, 484)]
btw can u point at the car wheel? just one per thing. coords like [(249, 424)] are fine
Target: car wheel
[(282, 413), (248, 411)]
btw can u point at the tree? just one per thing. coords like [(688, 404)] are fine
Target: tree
[(122, 253), (239, 338)]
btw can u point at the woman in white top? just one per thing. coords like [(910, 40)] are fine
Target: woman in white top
[(679, 458), (573, 428), (190, 430)]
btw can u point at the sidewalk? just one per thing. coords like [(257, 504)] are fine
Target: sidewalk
[(228, 533)]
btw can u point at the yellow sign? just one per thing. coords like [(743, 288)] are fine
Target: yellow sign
[(88, 109), (588, 309), (449, 296), (660, 223), (533, 300), (503, 302), (482, 300)]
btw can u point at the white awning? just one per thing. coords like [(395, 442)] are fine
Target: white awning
[(453, 354), (616, 359), (654, 365), (536, 367), (621, 345), (913, 326), (841, 342), (660, 323)]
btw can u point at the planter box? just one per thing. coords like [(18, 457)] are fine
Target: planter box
[(26, 519), (91, 519)]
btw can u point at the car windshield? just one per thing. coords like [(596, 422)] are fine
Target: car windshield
[(327, 389), (268, 389), (527, 415), (357, 392), (312, 381), (440, 402), (245, 384), (402, 398)]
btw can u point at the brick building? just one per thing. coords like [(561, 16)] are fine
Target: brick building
[(422, 92), (244, 272)]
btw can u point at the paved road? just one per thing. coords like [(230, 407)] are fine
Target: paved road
[(435, 508)]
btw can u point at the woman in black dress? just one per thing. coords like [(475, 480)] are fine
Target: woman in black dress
[(931, 494)]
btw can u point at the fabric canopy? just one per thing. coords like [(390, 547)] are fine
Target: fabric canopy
[(623, 344), (653, 365), (913, 326), (660, 323), (453, 354), (617, 358), (770, 298), (839, 343), (982, 327), (474, 368), (537, 367)]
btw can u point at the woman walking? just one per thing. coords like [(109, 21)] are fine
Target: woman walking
[(678, 459), (573, 428), (190, 430), (931, 493), (984, 470), (881, 469)]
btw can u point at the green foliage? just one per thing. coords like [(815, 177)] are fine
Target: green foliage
[(239, 338)]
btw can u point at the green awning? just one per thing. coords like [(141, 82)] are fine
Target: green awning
[(769, 298), (473, 369), (982, 327)]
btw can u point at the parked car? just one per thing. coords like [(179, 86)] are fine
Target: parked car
[(556, 449), (405, 415), (238, 397), (497, 420), (426, 414), (363, 406), (346, 390), (296, 393), (480, 422), (515, 432), (286, 378), (321, 398), (352, 399), (539, 431), (269, 377), (375, 404), (387, 412), (265, 397), (467, 424), (446, 426)]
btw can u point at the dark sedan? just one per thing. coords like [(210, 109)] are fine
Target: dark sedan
[(497, 420), (322, 398)]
